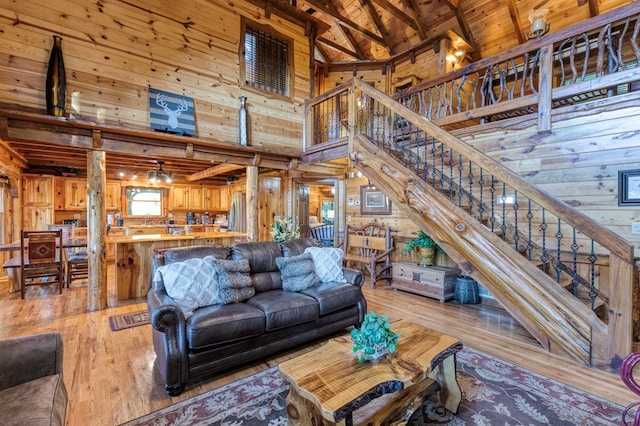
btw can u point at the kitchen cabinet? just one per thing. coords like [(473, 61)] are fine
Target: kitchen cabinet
[(186, 198), (196, 198), (112, 196), (75, 194), (179, 198), (211, 199), (37, 190), (38, 196)]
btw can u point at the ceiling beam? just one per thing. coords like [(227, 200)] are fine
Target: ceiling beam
[(408, 5), (371, 13), (213, 171), (349, 23), (398, 13), (515, 20), (346, 32), (465, 29), (594, 9), (338, 47)]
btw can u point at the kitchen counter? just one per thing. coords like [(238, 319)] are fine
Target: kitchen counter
[(133, 254)]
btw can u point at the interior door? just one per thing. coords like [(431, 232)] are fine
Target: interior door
[(302, 209)]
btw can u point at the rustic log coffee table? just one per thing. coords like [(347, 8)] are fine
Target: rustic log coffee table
[(328, 386)]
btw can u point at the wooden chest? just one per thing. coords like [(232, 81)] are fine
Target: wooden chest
[(431, 281)]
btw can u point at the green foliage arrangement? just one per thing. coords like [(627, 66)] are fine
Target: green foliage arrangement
[(422, 240), (375, 332), (283, 230)]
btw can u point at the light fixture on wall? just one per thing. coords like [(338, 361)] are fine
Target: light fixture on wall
[(160, 175), (539, 24), (354, 173)]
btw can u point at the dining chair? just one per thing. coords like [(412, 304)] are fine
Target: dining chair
[(41, 259), (78, 261)]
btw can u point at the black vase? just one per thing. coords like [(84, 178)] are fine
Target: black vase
[(56, 85)]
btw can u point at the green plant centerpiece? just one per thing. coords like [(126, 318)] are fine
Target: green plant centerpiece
[(426, 247), (374, 338), (282, 230)]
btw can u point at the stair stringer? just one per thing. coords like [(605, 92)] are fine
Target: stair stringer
[(556, 319)]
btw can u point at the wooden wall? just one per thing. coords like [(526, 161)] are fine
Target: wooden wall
[(114, 51), (578, 161)]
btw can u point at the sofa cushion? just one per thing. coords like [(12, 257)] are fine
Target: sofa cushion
[(212, 325), (285, 308), (334, 296), (328, 263), (297, 272), (234, 284), (42, 401), (191, 283)]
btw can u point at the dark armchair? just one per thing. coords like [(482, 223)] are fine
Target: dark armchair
[(32, 391)]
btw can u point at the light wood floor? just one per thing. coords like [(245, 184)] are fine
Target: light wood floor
[(111, 378)]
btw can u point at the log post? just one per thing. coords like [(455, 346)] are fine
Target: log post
[(252, 203), (96, 231), (545, 88)]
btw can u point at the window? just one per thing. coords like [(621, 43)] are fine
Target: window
[(144, 201), (265, 60)]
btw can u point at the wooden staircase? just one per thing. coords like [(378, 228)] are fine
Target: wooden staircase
[(571, 323)]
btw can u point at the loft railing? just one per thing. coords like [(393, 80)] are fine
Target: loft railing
[(594, 59)]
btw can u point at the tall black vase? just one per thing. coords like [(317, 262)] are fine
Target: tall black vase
[(56, 85)]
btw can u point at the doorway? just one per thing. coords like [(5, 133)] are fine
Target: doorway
[(320, 202)]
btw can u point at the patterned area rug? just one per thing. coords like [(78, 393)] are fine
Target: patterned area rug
[(132, 319), (494, 393)]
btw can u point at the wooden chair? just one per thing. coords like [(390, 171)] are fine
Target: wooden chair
[(370, 246), (41, 259), (78, 262), (324, 234)]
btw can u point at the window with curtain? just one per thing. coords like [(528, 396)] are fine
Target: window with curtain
[(266, 60)]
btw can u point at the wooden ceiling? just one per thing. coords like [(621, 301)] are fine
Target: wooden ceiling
[(373, 30)]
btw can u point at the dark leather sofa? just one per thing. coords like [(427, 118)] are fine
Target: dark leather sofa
[(32, 391), (219, 337)]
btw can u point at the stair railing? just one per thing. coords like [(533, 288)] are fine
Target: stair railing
[(526, 216)]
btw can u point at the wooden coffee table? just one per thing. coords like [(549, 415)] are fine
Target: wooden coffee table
[(328, 386)]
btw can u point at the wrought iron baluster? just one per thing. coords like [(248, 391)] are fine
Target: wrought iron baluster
[(529, 230), (574, 272), (543, 229), (593, 292), (516, 234), (558, 266), (503, 224)]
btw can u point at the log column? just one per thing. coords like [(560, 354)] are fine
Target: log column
[(96, 231), (252, 203)]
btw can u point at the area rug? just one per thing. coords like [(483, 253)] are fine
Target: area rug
[(132, 319), (494, 393)]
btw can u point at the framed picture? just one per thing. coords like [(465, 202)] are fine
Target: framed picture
[(373, 201), (629, 188)]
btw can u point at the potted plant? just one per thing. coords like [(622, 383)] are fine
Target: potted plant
[(426, 247), (374, 338), (282, 230)]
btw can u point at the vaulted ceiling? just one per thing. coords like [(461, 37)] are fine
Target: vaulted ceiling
[(365, 30)]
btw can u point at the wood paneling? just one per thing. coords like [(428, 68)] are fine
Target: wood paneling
[(114, 52)]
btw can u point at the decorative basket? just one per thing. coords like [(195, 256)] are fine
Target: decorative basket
[(467, 291)]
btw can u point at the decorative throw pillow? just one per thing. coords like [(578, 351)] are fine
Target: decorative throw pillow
[(191, 283), (234, 282), (328, 263), (297, 272)]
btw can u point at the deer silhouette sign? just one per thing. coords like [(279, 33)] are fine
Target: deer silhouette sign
[(172, 115)]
